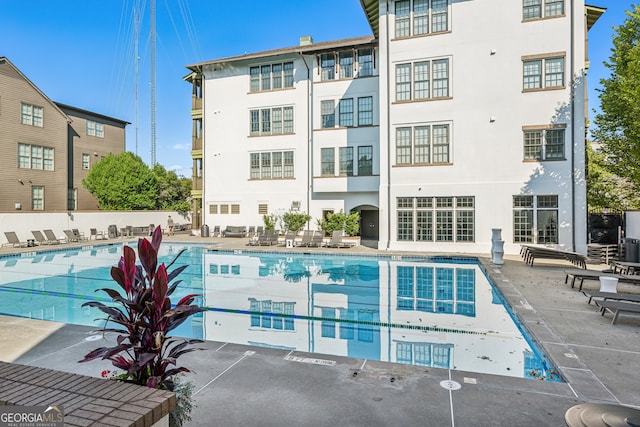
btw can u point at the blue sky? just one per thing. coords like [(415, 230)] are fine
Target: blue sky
[(83, 55)]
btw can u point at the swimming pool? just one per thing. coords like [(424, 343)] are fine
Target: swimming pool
[(434, 312)]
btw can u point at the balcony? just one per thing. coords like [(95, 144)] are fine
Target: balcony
[(346, 184)]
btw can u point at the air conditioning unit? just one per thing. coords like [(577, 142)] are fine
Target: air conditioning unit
[(295, 206)]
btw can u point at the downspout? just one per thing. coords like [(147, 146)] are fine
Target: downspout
[(309, 147), (573, 129), (388, 127)]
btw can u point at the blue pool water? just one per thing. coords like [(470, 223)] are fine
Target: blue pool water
[(434, 312)]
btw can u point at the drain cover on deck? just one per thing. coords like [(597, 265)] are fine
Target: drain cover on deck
[(450, 385)]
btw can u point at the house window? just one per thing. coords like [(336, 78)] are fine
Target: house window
[(271, 165), (345, 107), (271, 77), (85, 161), (543, 144), (37, 198), (535, 219), (532, 9), (365, 160), (429, 80), (346, 161), (327, 110), (32, 115), (328, 160), (35, 157), (95, 129), (271, 121), (328, 66), (439, 219), (365, 62), (543, 73), (420, 17), (365, 111), (423, 145), (346, 64)]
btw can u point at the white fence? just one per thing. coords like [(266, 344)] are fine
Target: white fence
[(23, 222)]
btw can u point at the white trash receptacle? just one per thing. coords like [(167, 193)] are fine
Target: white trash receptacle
[(608, 284)]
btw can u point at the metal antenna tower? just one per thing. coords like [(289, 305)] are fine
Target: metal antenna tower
[(153, 81)]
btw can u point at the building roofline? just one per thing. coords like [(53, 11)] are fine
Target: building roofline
[(80, 110), (372, 11), (36, 88), (593, 14), (305, 49)]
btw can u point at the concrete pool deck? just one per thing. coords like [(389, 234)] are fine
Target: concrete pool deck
[(243, 385)]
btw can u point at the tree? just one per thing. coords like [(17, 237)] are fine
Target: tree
[(295, 221), (606, 190), (174, 191), (350, 223), (122, 182), (618, 124)]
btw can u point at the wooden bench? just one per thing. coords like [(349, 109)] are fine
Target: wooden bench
[(85, 400)]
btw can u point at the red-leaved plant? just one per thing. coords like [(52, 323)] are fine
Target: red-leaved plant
[(144, 351)]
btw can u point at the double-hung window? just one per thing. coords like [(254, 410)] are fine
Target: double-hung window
[(327, 110), (346, 64), (423, 80), (271, 121), (95, 129), (533, 9), (365, 111), (271, 77), (365, 62), (32, 115), (420, 17), (543, 72), (37, 198), (544, 143), (535, 219), (271, 165), (365, 160), (346, 161), (35, 157), (85, 161), (328, 66), (328, 160), (423, 144), (346, 112)]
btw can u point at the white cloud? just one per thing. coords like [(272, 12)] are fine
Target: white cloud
[(182, 147)]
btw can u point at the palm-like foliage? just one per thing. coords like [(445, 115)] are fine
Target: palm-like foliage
[(145, 316)]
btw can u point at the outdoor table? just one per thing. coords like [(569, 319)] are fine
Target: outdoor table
[(601, 415)]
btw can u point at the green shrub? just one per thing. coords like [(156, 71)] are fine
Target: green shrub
[(350, 223), (270, 221), (295, 221)]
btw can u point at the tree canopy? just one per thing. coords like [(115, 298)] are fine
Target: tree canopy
[(617, 126), (124, 182)]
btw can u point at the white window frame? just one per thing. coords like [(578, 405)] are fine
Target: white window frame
[(37, 197), (35, 157), (86, 161), (32, 115)]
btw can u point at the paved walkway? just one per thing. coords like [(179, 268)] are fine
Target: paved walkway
[(254, 386)]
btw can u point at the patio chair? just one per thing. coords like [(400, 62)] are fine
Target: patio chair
[(317, 240), (216, 231), (51, 237), (71, 237), (41, 239), (78, 234), (259, 229), (12, 239), (307, 237), (611, 296), (617, 307), (337, 242), (252, 231), (96, 235)]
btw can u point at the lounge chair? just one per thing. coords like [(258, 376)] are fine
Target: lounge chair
[(317, 241), (216, 231), (51, 237), (97, 235), (43, 240), (307, 237), (252, 231), (289, 236), (270, 237), (79, 235), (531, 253), (617, 307), (71, 237), (611, 296), (12, 239), (337, 242), (582, 275)]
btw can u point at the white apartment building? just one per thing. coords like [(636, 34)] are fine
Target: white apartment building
[(454, 118)]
